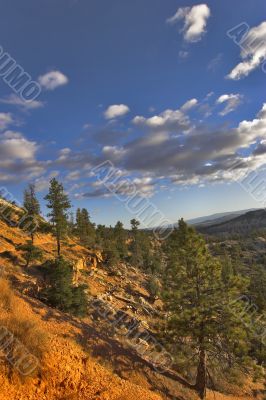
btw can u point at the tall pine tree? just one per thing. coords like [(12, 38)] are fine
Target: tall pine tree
[(199, 308), (58, 203), (136, 258), (85, 229), (32, 206)]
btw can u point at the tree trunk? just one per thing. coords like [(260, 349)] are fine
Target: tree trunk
[(58, 246), (201, 380), (32, 238)]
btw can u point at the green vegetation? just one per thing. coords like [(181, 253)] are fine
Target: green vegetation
[(32, 206), (61, 292), (84, 229), (213, 289), (31, 253), (58, 203), (199, 294)]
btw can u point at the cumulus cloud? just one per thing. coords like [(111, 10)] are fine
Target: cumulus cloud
[(18, 102), (168, 119), (52, 80), (195, 21), (202, 154), (18, 158), (169, 150), (116, 111), (5, 120), (189, 104), (13, 145), (253, 52), (231, 101)]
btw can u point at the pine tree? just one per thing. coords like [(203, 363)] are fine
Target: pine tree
[(199, 304), (71, 223), (135, 247), (120, 237), (32, 206), (61, 293), (58, 203), (111, 252), (85, 229)]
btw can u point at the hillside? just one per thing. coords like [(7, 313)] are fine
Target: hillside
[(92, 358), (240, 225), (217, 218)]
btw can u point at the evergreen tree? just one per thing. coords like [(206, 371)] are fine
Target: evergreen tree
[(120, 238), (71, 223), (85, 229), (32, 206), (135, 247), (227, 269), (58, 203), (111, 252), (61, 293), (79, 301), (101, 236), (199, 305)]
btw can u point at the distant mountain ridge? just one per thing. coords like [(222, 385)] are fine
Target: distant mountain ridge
[(218, 217), (242, 224)]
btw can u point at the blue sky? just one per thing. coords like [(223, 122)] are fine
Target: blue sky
[(156, 87)]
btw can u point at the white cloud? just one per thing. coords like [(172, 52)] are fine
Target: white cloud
[(13, 145), (116, 110), (232, 101), (168, 119), (200, 155), (189, 104), (52, 80), (254, 129), (195, 21), (113, 153), (253, 52), (17, 101), (5, 120)]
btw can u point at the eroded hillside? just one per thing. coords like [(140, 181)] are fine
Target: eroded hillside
[(96, 357)]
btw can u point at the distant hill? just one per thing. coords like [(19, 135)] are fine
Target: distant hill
[(243, 224), (218, 217)]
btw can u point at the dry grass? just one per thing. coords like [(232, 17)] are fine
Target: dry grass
[(7, 297), (26, 332)]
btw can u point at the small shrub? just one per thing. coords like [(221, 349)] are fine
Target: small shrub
[(31, 252), (153, 286)]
